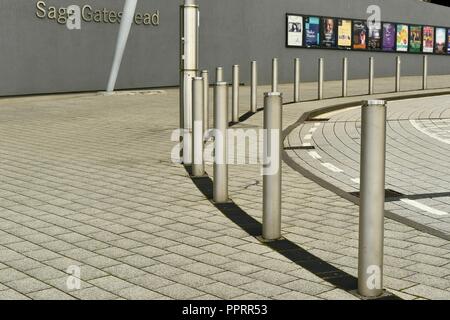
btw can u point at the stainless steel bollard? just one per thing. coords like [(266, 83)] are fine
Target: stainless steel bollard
[(205, 77), (219, 74), (254, 88), (345, 77), (297, 80), (372, 199), (220, 184), (371, 75), (235, 95), (425, 73), (273, 103), (275, 75), (398, 74), (321, 66), (198, 167)]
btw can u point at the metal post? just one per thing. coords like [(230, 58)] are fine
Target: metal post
[(275, 75), (189, 24), (220, 185), (398, 74), (371, 74), (321, 65), (198, 167), (219, 74), (425, 73), (372, 198), (273, 102), (205, 77), (345, 77), (235, 95), (297, 80), (254, 88)]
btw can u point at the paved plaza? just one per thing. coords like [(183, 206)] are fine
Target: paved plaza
[(87, 182)]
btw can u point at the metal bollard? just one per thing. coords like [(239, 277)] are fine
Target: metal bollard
[(254, 88), (321, 65), (371, 75), (345, 77), (219, 74), (235, 95), (425, 73), (187, 114), (297, 80), (372, 198), (275, 75), (205, 77), (273, 102), (398, 74), (198, 167), (220, 184)]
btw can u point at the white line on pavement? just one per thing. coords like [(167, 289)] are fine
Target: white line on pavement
[(356, 180), (331, 167), (314, 155), (423, 207), (424, 130), (307, 144), (308, 137), (312, 130)]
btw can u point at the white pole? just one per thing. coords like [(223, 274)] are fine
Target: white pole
[(125, 27)]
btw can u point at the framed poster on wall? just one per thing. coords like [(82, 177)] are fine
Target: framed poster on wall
[(344, 33), (402, 38), (359, 35), (375, 36), (428, 39), (294, 30), (312, 31), (415, 39), (328, 33), (441, 37), (389, 37), (448, 41)]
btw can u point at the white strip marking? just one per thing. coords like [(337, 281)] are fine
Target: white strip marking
[(331, 167), (306, 144), (416, 125), (317, 124), (356, 180), (315, 155), (423, 207), (308, 137), (312, 130)]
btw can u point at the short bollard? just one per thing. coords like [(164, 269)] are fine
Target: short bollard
[(254, 88), (273, 103), (220, 184), (219, 74), (321, 66), (297, 80), (198, 167), (235, 95), (425, 73), (187, 114), (344, 77), (372, 198), (371, 75), (275, 75), (398, 74), (205, 77)]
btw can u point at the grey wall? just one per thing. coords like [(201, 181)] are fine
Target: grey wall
[(40, 56)]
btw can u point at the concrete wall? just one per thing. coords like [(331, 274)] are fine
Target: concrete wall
[(41, 56)]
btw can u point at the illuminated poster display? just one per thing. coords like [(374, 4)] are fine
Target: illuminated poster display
[(359, 34), (448, 41), (389, 37), (295, 30), (415, 39), (345, 33), (428, 39), (328, 33), (402, 37), (375, 37), (312, 31), (441, 36)]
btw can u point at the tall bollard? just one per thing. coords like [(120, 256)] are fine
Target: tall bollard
[(273, 102), (205, 77), (219, 74), (198, 167), (321, 66), (398, 74), (371, 217), (254, 88), (345, 77), (425, 73), (297, 80), (220, 184), (275, 75), (235, 95), (371, 75)]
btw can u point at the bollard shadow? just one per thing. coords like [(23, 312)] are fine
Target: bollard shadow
[(286, 248)]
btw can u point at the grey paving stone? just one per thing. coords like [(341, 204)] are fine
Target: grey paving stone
[(222, 290), (138, 293), (110, 283), (428, 292), (179, 292), (263, 288), (94, 293), (50, 294), (12, 295)]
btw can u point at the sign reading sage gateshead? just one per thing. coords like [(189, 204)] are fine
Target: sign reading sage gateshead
[(91, 14), (337, 33)]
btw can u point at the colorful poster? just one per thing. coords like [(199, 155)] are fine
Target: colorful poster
[(359, 34), (402, 37), (389, 37), (441, 36), (375, 36), (415, 39), (294, 31), (345, 33), (448, 41), (312, 31), (328, 33), (428, 39)]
